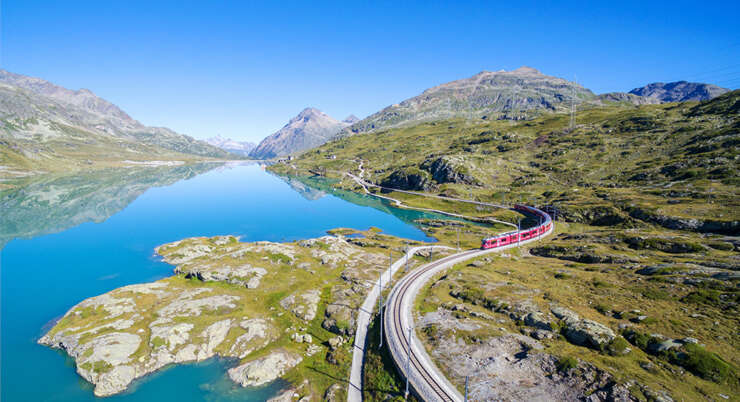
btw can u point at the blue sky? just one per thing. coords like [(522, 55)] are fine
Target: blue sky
[(242, 69)]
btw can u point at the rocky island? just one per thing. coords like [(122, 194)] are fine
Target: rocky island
[(275, 308)]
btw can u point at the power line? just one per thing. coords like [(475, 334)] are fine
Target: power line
[(710, 72)]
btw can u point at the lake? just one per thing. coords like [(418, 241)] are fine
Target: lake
[(67, 238)]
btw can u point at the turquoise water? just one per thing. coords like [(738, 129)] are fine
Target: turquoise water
[(43, 276)]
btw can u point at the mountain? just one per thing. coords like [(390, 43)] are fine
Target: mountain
[(235, 147), (679, 91), (41, 123), (488, 94), (309, 129)]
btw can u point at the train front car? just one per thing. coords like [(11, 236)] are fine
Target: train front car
[(488, 243)]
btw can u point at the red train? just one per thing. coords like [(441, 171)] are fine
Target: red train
[(521, 235)]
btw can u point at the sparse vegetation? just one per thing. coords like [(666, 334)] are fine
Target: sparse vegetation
[(566, 364)]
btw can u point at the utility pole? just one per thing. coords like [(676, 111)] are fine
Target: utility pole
[(573, 109), (408, 365), (458, 239), (380, 310), (518, 228), (539, 223), (431, 253), (466, 388), (390, 265), (406, 268)]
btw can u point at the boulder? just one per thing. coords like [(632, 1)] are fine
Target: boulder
[(338, 319), (301, 338), (668, 344), (588, 333), (312, 349), (332, 393), (335, 342)]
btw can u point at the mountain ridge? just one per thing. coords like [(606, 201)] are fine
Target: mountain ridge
[(679, 91), (230, 145), (32, 107)]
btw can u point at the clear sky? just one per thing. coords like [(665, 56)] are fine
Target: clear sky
[(242, 69)]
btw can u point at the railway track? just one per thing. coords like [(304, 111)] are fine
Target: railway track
[(364, 316), (409, 355), (426, 380)]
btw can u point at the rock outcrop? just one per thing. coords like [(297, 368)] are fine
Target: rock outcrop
[(265, 369), (138, 329), (245, 275), (303, 305), (408, 179), (449, 169), (730, 227)]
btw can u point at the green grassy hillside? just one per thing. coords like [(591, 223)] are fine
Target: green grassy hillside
[(645, 245), (674, 165)]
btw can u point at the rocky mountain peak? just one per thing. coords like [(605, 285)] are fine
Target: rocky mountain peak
[(310, 112), (519, 93), (310, 128), (527, 70), (351, 119)]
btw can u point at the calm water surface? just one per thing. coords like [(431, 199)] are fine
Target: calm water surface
[(45, 273)]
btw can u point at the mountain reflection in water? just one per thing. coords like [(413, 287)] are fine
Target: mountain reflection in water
[(53, 203)]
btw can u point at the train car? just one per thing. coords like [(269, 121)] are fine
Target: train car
[(545, 223)]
